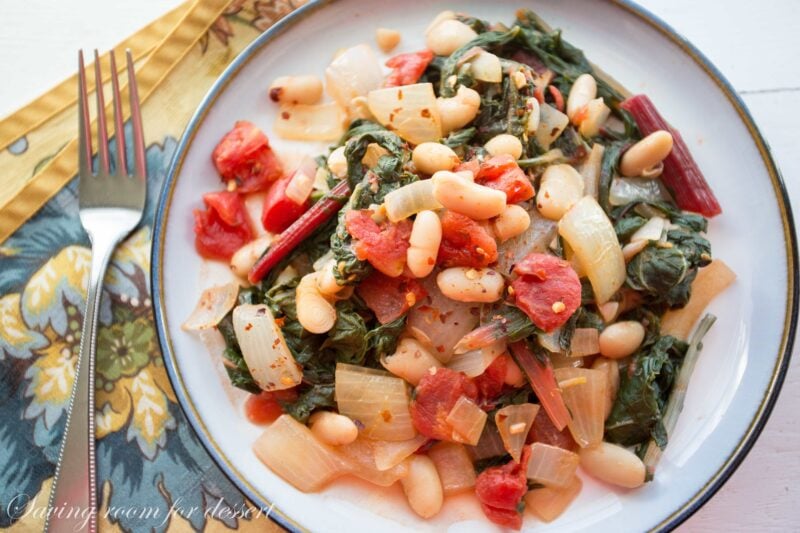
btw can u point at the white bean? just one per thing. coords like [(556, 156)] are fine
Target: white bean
[(426, 235), (245, 257), (332, 428), (646, 154), (314, 312), (504, 144), (471, 199), (511, 222), (430, 157), (423, 487), (561, 187), (621, 339), (337, 163), (613, 464), (459, 110), (411, 361), (611, 369), (583, 91), (387, 39), (296, 90), (448, 36), (438, 19), (471, 285)]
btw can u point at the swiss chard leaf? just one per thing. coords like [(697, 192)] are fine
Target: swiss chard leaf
[(313, 398), (487, 40), (382, 340), (347, 338)]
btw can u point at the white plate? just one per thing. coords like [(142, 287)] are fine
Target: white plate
[(745, 355)]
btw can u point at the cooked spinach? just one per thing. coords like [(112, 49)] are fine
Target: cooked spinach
[(347, 338), (311, 399), (382, 340), (486, 40)]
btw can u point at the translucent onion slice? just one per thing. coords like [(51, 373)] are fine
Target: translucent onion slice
[(359, 458), (315, 122), (376, 399), (550, 341), (467, 421), (290, 450), (590, 170), (489, 445), (651, 231), (552, 466), (302, 183), (389, 454), (475, 362), (591, 236), (586, 401), (535, 239), (626, 190), (354, 72), (408, 110), (454, 466), (264, 349), (585, 341), (410, 199), (513, 423), (213, 305), (551, 125), (547, 503)]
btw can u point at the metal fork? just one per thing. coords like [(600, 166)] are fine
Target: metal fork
[(111, 206)]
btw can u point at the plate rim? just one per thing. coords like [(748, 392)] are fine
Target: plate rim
[(771, 393)]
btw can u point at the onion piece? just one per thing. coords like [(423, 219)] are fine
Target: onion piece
[(590, 170), (485, 66), (513, 423), (410, 199), (475, 362), (551, 125), (591, 236), (378, 400), (389, 454), (534, 239), (585, 341), (547, 503), (290, 450), (586, 402), (355, 72), (626, 190), (302, 183), (359, 459), (408, 110), (651, 231), (315, 122), (264, 349), (454, 466), (550, 341), (552, 466), (467, 421), (213, 305)]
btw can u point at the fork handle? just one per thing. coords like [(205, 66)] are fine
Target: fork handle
[(73, 499)]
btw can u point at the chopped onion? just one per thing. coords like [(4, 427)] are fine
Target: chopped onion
[(475, 362), (551, 125), (552, 466), (213, 305), (513, 423), (410, 199), (408, 110), (264, 349), (454, 466), (485, 66), (467, 421), (585, 341), (315, 122), (290, 450), (359, 457), (596, 114), (573, 260), (562, 360), (550, 341), (389, 454), (591, 236), (651, 231), (626, 190), (534, 239), (547, 503), (586, 402), (302, 183), (590, 170), (630, 250), (489, 445), (376, 399), (354, 72)]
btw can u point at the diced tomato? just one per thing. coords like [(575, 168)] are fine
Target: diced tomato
[(434, 398), (500, 490), (280, 211), (547, 289), (223, 227), (545, 432), (465, 243), (265, 407), (384, 246), (473, 165), (244, 155), (407, 68), (491, 382), (502, 172), (389, 298)]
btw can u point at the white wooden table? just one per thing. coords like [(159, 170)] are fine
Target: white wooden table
[(754, 44)]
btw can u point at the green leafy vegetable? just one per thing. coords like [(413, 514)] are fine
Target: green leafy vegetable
[(487, 40), (347, 338), (313, 398), (382, 340)]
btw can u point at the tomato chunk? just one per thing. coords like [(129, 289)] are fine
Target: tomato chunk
[(223, 227), (502, 172), (384, 246), (465, 243), (407, 68), (434, 398), (280, 211), (265, 407), (390, 298), (547, 289), (244, 155), (543, 430), (491, 382), (500, 490)]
